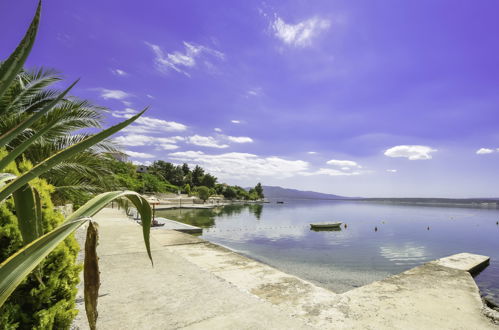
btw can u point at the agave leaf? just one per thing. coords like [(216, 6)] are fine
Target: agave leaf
[(27, 213), (4, 177), (52, 161), (19, 265), (14, 132), (97, 203), (12, 155), (91, 274), (11, 67), (39, 231)]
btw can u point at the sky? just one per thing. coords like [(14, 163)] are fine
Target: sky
[(356, 98)]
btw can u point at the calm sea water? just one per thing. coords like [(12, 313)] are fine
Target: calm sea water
[(280, 235)]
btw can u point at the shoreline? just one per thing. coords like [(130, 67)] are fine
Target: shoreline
[(221, 285)]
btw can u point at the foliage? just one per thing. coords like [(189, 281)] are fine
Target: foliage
[(203, 193), (229, 193), (40, 232), (57, 129), (34, 305), (259, 190), (187, 189)]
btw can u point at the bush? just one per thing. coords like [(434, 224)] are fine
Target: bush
[(203, 192), (33, 305)]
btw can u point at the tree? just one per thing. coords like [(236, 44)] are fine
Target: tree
[(187, 189), (219, 188), (197, 176), (208, 180), (177, 177), (203, 193), (229, 193), (186, 169), (164, 169), (56, 130), (259, 190)]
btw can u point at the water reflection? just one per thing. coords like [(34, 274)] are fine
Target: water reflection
[(280, 235), (408, 253)]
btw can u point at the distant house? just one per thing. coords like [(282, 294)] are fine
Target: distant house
[(142, 168)]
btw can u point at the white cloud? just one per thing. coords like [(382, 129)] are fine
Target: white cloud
[(180, 61), (391, 171), (119, 72), (127, 113), (332, 172), (138, 154), (343, 163), (206, 141), (300, 34), (116, 94), (242, 165), (412, 152), (148, 125), (254, 92), (484, 151), (234, 121), (136, 140), (216, 129), (167, 146), (139, 163), (312, 152), (240, 139)]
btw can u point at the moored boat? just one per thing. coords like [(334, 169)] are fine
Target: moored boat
[(325, 225)]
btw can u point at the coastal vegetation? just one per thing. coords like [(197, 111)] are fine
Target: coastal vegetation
[(39, 154), (166, 177)]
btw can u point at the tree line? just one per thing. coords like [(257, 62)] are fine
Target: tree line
[(164, 177)]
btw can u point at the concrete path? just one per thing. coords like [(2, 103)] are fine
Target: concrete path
[(199, 285), (174, 294)]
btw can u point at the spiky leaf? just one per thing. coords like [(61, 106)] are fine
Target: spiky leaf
[(97, 203), (19, 265), (11, 67), (27, 213), (52, 161), (14, 132)]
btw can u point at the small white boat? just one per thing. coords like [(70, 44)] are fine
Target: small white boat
[(324, 225)]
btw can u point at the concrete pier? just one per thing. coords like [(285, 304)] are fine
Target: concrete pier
[(199, 285), (178, 226)]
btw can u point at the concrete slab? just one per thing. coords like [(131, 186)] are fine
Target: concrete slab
[(178, 226), (464, 261)]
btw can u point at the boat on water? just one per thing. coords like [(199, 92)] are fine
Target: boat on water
[(280, 202), (325, 225)]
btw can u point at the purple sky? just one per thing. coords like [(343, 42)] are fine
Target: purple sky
[(359, 98)]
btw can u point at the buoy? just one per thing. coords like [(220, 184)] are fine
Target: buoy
[(375, 228), (345, 226), (428, 228)]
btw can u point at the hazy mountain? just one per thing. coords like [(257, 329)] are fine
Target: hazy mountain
[(275, 192)]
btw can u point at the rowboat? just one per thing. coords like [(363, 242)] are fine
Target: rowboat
[(325, 225)]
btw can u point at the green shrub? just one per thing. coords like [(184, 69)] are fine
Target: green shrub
[(33, 305)]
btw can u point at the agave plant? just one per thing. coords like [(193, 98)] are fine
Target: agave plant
[(27, 132)]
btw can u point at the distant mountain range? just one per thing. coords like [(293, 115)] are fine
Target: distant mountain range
[(279, 193), (275, 192)]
